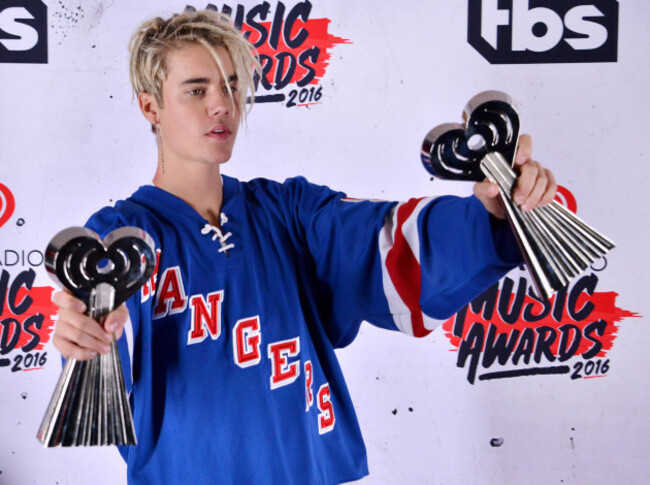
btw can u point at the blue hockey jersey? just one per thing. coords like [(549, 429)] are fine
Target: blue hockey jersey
[(234, 375)]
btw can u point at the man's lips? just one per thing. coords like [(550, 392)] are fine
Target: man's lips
[(219, 132)]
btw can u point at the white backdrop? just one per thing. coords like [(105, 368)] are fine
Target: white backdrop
[(71, 141)]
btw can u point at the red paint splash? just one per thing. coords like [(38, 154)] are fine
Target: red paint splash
[(318, 36), (42, 304), (604, 308)]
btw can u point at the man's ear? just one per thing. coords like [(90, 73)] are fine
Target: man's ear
[(149, 107)]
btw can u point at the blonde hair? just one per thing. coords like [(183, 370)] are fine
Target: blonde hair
[(156, 37)]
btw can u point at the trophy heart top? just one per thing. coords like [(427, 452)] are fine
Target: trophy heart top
[(454, 152), (79, 260)]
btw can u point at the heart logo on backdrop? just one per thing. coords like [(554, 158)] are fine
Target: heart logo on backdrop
[(453, 152), (7, 204), (566, 198), (79, 260)]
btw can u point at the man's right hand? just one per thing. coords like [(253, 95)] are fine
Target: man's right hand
[(77, 335)]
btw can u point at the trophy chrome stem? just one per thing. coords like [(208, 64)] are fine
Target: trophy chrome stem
[(90, 406), (556, 244)]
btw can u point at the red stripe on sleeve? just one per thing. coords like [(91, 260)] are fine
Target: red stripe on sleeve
[(404, 270)]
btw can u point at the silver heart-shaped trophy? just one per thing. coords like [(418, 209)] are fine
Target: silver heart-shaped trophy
[(556, 244), (90, 405)]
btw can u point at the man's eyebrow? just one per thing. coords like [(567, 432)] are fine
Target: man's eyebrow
[(205, 80), (197, 80)]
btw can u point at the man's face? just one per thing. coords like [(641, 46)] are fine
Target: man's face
[(198, 120)]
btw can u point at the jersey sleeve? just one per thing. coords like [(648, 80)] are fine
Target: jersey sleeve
[(401, 266)]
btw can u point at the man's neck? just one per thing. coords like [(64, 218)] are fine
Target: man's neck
[(199, 185)]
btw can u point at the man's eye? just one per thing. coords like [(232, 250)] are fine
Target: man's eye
[(196, 92)]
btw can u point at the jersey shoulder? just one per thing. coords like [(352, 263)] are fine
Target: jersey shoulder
[(127, 212)]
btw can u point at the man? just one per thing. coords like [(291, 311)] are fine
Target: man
[(235, 379)]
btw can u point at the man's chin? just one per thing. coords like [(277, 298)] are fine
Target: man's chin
[(217, 160)]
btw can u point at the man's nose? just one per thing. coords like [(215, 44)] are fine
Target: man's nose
[(219, 102)]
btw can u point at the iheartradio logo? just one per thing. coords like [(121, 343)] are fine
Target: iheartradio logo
[(566, 198), (7, 204)]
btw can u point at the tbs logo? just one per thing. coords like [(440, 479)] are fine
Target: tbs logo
[(543, 31), (23, 31)]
